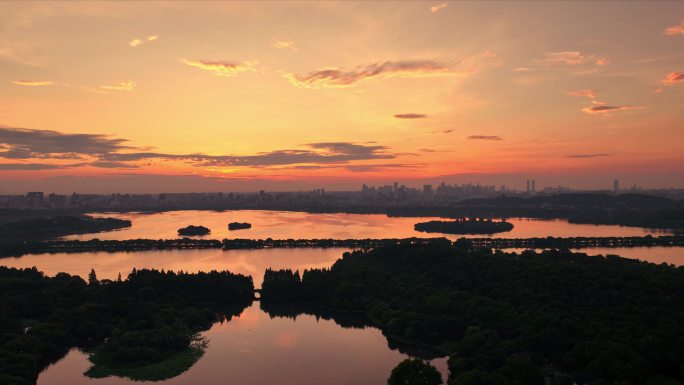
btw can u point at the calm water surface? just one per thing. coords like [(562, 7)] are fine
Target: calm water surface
[(248, 262), (290, 224), (255, 349)]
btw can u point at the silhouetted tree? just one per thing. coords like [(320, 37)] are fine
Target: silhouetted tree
[(413, 371), (92, 278)]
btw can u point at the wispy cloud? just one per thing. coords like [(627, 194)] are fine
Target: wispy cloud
[(135, 42), (564, 57), (605, 109), (337, 77), (33, 83), (123, 86), (221, 68), (410, 116), (29, 166), (138, 42), (580, 156), (602, 61), (439, 7), (379, 167), (673, 78), (484, 137), (674, 30), (284, 44), (588, 93)]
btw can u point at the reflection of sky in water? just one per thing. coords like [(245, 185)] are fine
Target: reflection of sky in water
[(288, 224), (254, 349), (247, 262)]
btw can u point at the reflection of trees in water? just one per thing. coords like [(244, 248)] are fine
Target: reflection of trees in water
[(166, 368), (347, 320)]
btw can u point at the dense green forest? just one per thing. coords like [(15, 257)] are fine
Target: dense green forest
[(140, 322), (507, 318)]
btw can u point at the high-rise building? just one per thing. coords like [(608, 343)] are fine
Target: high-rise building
[(616, 185), (528, 185), (532, 185), (427, 189)]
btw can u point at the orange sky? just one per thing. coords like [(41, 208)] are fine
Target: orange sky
[(278, 95)]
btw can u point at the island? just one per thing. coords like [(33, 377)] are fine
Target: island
[(194, 230), (464, 226), (239, 226), (38, 228)]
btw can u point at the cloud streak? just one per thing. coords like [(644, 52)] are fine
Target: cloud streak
[(410, 116), (589, 93), (23, 143), (126, 86), (284, 44), (33, 83), (564, 57), (605, 109), (583, 156), (484, 137), (102, 151), (221, 68), (336, 77), (674, 30), (29, 166)]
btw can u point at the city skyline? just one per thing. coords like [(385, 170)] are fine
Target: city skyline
[(171, 97)]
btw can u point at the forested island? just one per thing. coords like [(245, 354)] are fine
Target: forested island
[(19, 248), (193, 230), (143, 327), (504, 318), (464, 226), (239, 226), (57, 226)]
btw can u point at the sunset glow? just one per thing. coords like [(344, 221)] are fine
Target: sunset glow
[(172, 96)]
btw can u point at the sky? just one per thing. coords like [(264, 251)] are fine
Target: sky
[(240, 96)]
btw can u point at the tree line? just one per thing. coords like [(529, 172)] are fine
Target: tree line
[(553, 317)]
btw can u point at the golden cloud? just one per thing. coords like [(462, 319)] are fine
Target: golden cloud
[(221, 68), (284, 44), (123, 86), (33, 83)]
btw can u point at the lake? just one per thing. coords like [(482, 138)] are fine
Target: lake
[(255, 349), (290, 224)]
